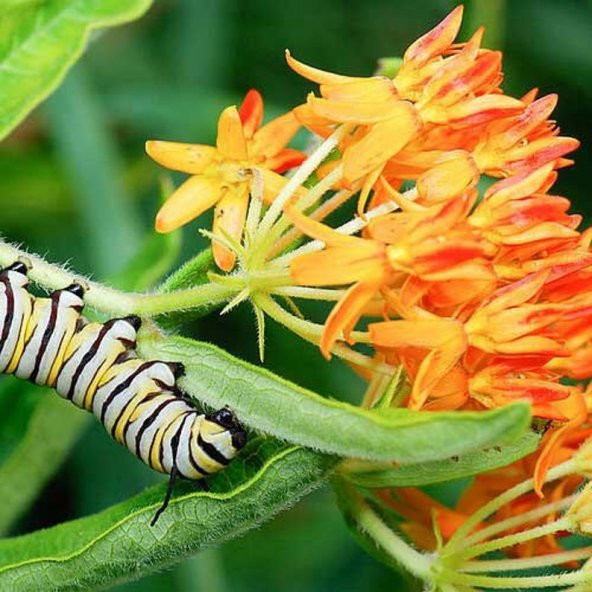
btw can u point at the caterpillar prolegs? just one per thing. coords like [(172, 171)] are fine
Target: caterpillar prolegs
[(94, 365)]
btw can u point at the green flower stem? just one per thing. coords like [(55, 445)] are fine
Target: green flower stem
[(515, 521), (527, 562), (510, 540), (112, 301), (311, 332), (271, 239), (348, 228), (300, 176), (309, 293), (517, 583), (325, 209), (368, 521), (496, 503)]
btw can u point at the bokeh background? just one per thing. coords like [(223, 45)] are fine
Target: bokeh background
[(76, 186)]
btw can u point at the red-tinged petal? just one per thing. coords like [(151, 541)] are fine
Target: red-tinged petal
[(533, 116), (517, 292), (191, 199), (286, 159), (318, 76), (251, 112), (275, 135), (448, 179), (345, 314), (382, 142), (540, 152), (187, 158), (474, 271), (435, 41), (375, 90), (229, 220), (474, 111), (231, 141), (340, 266), (532, 344), (356, 112), (520, 185)]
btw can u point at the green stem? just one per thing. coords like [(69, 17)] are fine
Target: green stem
[(527, 562), (501, 500), (518, 583), (112, 301), (370, 522), (510, 540), (299, 177), (515, 521)]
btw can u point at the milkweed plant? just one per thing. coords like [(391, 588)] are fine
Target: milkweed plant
[(457, 285)]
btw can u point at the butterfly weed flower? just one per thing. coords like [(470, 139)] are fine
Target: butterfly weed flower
[(222, 175)]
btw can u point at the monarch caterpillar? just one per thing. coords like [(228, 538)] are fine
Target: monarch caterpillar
[(47, 341)]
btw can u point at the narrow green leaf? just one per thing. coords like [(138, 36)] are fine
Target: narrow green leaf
[(94, 167), (118, 544), (442, 470), (52, 430), (41, 42), (275, 406)]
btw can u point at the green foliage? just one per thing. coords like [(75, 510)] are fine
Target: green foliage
[(40, 41), (118, 543), (275, 406), (442, 470)]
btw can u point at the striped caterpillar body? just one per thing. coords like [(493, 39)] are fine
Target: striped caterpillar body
[(94, 365)]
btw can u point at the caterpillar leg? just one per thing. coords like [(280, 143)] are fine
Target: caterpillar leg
[(167, 496)]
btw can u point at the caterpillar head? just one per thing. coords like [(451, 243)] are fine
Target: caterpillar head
[(224, 432)]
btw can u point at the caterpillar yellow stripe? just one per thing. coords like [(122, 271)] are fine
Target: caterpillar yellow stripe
[(47, 341)]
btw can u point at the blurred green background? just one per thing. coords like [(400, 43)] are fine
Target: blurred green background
[(76, 186)]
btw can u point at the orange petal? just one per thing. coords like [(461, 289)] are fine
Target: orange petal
[(312, 121), (286, 159), (382, 142), (435, 41), (345, 314), (375, 89), (426, 333), (191, 199), (339, 266), (187, 158), (251, 112), (231, 140), (229, 220), (273, 184), (356, 112), (274, 136), (318, 76), (448, 179), (318, 230)]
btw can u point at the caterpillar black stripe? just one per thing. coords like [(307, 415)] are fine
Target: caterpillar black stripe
[(94, 365)]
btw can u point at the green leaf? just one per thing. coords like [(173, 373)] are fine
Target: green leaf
[(118, 544), (41, 41), (51, 431), (442, 470), (278, 407), (91, 159)]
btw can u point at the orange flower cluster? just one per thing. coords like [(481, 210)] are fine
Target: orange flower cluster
[(485, 293)]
